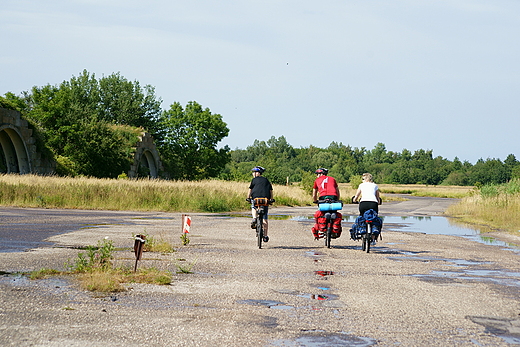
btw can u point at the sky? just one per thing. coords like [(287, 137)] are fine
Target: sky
[(440, 75)]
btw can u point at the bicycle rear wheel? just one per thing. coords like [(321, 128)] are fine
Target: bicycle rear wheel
[(369, 237), (328, 235)]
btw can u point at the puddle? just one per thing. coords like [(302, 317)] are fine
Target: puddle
[(324, 339), (439, 226), (495, 276), (320, 297), (323, 273), (266, 303), (505, 328), (427, 225)]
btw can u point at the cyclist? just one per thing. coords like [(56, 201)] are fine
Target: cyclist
[(369, 193), (325, 187), (260, 187)]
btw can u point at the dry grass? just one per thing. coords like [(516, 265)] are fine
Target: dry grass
[(427, 190), (489, 213), (136, 195), (170, 196)]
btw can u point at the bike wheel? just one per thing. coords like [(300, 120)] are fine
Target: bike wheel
[(364, 242), (259, 231), (369, 237)]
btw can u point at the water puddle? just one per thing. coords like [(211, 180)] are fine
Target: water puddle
[(500, 277), (320, 297), (324, 273), (427, 225), (324, 339), (266, 303), (439, 226), (505, 328)]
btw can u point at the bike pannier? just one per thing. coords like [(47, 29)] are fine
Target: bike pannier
[(261, 202)]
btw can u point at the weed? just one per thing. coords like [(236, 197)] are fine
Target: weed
[(185, 269), (43, 273), (96, 257), (95, 272), (185, 239), (153, 244)]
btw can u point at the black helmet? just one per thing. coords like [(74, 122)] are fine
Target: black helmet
[(258, 169), (321, 171)]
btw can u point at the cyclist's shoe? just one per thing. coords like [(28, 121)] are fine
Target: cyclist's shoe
[(374, 242), (316, 238), (253, 224), (266, 238)]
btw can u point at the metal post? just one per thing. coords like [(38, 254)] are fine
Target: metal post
[(138, 248)]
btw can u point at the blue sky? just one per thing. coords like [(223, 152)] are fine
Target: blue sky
[(438, 75)]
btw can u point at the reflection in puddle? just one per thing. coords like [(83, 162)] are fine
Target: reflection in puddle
[(324, 273), (320, 297)]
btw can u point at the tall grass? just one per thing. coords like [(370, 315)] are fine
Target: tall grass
[(135, 195), (494, 206), (456, 192)]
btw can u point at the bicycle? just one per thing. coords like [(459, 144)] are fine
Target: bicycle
[(259, 204), (366, 222), (331, 208)]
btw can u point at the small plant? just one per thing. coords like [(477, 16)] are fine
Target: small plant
[(96, 257), (185, 239), (160, 245), (185, 269), (43, 273)]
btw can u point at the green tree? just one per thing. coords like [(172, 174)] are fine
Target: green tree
[(189, 139), (125, 102)]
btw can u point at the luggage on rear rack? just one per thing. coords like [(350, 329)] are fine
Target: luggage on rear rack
[(320, 227), (360, 227)]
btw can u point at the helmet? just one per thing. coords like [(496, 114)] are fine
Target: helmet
[(258, 169), (321, 171)]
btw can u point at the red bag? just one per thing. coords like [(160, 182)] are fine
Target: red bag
[(321, 225)]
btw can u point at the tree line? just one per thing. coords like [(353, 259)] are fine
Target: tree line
[(88, 125), (285, 163)]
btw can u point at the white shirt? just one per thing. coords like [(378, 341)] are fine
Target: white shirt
[(368, 191)]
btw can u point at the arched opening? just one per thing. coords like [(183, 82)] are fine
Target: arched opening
[(147, 165), (13, 153)]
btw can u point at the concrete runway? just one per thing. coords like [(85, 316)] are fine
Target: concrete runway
[(412, 289)]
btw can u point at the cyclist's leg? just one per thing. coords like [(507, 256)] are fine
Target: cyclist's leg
[(266, 223), (254, 213)]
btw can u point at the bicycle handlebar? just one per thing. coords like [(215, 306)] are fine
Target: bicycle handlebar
[(250, 200), (327, 201)]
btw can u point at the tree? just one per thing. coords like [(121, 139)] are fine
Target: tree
[(125, 102), (76, 118), (188, 142)]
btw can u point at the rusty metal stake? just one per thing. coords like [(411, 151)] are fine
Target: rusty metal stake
[(138, 248)]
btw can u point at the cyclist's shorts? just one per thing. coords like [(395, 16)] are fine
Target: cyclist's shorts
[(266, 210)]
